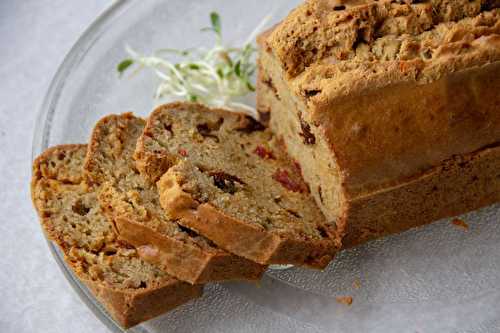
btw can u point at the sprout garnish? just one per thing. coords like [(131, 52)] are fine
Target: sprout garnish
[(216, 76)]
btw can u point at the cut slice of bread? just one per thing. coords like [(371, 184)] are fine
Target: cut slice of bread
[(223, 175), (131, 289), (133, 205)]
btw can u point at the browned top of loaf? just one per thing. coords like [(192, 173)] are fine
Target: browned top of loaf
[(395, 88), (71, 217), (320, 29), (238, 168), (329, 49), (110, 164)]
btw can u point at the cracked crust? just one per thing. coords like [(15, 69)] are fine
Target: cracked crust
[(322, 31), (132, 290), (247, 197), (132, 203)]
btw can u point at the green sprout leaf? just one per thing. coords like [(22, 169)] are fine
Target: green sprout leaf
[(237, 69), (183, 53), (220, 73), (250, 86), (215, 20), (122, 66)]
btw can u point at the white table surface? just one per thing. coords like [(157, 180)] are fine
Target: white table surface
[(35, 35)]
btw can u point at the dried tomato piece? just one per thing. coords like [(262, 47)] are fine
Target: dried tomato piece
[(264, 153), (284, 178), (346, 300), (183, 152), (297, 166), (461, 224)]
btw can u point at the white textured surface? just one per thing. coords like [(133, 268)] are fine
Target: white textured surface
[(35, 35)]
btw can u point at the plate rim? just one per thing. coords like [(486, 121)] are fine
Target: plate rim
[(40, 140)]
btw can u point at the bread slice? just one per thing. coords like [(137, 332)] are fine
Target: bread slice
[(132, 290), (223, 175), (373, 97), (133, 205)]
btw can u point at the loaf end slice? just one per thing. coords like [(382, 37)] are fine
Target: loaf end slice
[(232, 183), (131, 290), (132, 203)]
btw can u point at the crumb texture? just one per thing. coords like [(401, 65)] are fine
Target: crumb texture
[(125, 193), (227, 177), (71, 216), (235, 164), (132, 203)]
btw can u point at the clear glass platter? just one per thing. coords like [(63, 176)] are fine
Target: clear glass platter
[(435, 279)]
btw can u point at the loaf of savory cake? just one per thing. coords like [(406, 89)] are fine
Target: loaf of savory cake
[(391, 108), (132, 203), (220, 174), (131, 290)]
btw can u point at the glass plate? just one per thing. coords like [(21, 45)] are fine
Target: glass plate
[(434, 279)]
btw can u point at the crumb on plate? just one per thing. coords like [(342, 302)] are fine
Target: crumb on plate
[(347, 300), (461, 224)]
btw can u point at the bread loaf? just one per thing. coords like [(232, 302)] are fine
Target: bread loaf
[(391, 108)]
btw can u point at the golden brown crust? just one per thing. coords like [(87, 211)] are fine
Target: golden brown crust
[(42, 168), (130, 309), (428, 123), (322, 30), (190, 263), (416, 111), (181, 253), (459, 185), (57, 175), (457, 114), (463, 183), (244, 239)]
